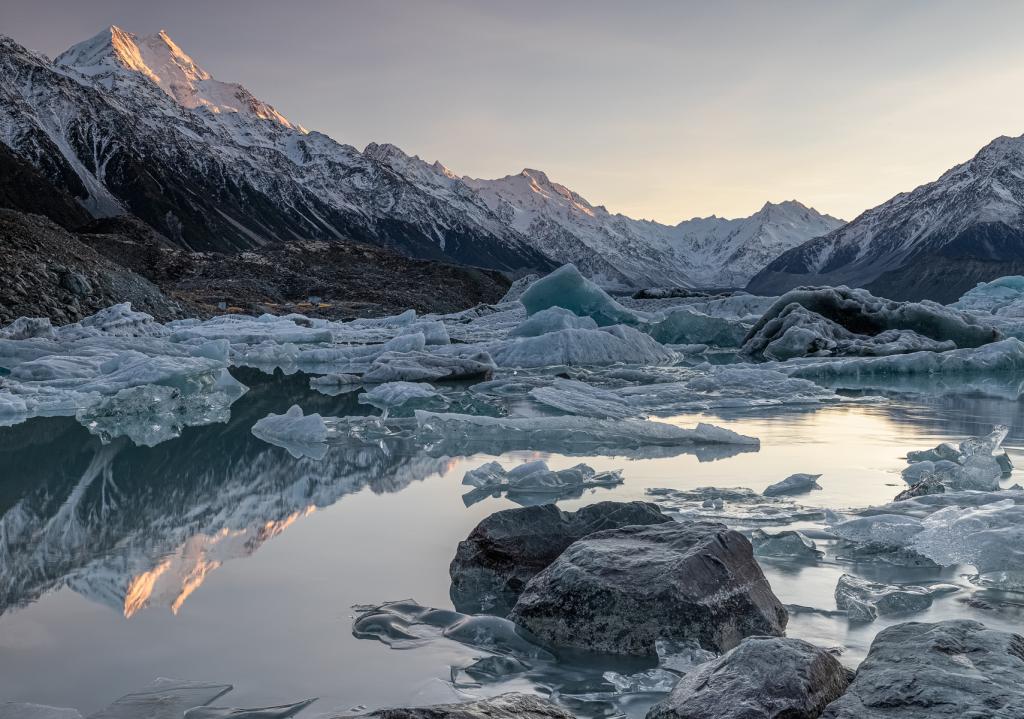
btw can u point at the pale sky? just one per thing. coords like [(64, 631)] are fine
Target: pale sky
[(661, 110)]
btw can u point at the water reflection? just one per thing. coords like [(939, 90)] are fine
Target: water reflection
[(133, 526)]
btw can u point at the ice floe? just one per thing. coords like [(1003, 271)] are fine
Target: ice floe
[(303, 435)]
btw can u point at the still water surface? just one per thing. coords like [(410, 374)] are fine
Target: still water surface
[(216, 556)]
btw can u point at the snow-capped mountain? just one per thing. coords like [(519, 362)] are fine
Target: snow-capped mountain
[(727, 253), (131, 123), (935, 242), (708, 252)]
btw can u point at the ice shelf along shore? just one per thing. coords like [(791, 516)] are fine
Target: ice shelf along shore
[(508, 393)]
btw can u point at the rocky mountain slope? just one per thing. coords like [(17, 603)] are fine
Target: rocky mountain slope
[(130, 123), (934, 242)]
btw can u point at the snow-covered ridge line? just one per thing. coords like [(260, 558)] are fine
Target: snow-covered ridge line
[(121, 105)]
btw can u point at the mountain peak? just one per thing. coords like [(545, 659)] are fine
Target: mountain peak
[(160, 60)]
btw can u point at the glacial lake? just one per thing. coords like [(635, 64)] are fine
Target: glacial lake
[(217, 556)]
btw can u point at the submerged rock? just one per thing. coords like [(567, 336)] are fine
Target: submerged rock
[(793, 484), (865, 600), (762, 678), (504, 551), (506, 706), (619, 591), (955, 669)]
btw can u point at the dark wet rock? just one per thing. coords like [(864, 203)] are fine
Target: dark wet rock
[(928, 485), (956, 669), (506, 706), (793, 484), (502, 553), (865, 600), (619, 591), (762, 678)]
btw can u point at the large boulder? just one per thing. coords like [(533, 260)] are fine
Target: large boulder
[(505, 706), (956, 669), (620, 590), (762, 678), (504, 552)]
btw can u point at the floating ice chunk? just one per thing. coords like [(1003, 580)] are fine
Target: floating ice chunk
[(865, 600), (151, 414), (518, 288), (796, 331), (567, 288), (793, 484), (25, 328), (858, 311), (990, 537), (406, 624), (20, 710), (434, 333), (396, 394), (283, 711), (1003, 356), (1003, 297), (163, 699), (427, 367), (114, 321), (540, 432), (357, 358), (243, 330), (403, 319), (894, 530), (971, 465), (650, 681), (551, 320), (687, 326), (789, 544), (945, 451), (735, 506), (302, 435), (266, 353), (708, 387), (536, 478), (604, 346)]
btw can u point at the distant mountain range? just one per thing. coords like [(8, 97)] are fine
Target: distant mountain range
[(131, 124), (934, 242)]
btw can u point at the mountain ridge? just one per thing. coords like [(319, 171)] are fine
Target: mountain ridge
[(973, 211)]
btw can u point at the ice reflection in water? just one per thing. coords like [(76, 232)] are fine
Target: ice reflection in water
[(261, 554)]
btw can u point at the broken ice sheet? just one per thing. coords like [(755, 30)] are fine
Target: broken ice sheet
[(283, 711), (736, 507), (468, 434), (406, 624), (535, 478), (163, 699), (22, 710)]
